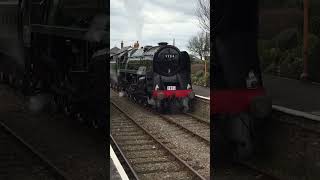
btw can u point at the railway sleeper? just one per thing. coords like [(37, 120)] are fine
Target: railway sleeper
[(140, 142), (179, 175), (139, 147), (123, 126), (132, 138), (127, 130), (145, 153), (127, 134), (158, 167), (151, 160)]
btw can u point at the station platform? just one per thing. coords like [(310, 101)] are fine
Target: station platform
[(290, 93), (116, 170), (293, 94), (202, 91)]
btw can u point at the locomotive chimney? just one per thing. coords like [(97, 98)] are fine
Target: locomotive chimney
[(121, 44), (162, 43), (136, 45)]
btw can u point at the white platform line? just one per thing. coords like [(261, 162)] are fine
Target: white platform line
[(282, 77), (296, 113), (307, 115), (118, 165), (202, 97)]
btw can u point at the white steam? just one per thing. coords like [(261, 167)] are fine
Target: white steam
[(39, 102), (134, 9), (113, 74), (97, 30)]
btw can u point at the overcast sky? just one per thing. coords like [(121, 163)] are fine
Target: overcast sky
[(153, 21)]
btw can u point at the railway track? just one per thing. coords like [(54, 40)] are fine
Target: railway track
[(297, 124), (263, 174), (190, 124), (306, 121), (146, 156), (201, 130), (19, 160), (297, 144), (191, 143)]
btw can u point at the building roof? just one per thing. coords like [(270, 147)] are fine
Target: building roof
[(114, 50)]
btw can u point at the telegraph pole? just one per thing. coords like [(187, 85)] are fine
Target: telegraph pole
[(306, 5)]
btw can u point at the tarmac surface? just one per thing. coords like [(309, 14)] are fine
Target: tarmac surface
[(293, 94)]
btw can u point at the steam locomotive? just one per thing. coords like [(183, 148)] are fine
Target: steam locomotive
[(154, 75), (57, 48), (239, 103)]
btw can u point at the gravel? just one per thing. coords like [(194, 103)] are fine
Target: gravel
[(187, 146), (148, 158)]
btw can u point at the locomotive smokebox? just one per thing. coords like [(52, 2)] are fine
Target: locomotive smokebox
[(162, 43)]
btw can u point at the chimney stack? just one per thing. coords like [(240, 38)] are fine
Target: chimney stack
[(121, 44), (162, 43), (136, 45)]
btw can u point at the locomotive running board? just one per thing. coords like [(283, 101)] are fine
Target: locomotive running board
[(75, 33)]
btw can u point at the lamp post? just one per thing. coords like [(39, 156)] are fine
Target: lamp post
[(306, 5), (206, 55)]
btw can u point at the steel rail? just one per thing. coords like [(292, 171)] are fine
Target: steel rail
[(168, 119), (256, 169), (197, 118), (162, 145), (127, 163), (58, 172)]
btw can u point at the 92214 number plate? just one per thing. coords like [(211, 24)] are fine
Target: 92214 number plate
[(171, 88)]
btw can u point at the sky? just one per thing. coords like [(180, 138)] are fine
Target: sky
[(153, 21)]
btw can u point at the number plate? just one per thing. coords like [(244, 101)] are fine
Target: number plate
[(171, 88)]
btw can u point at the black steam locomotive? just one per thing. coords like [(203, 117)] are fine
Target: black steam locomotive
[(239, 103), (154, 75), (58, 48)]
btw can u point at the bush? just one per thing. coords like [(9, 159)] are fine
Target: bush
[(290, 60), (200, 80), (199, 74), (269, 57), (286, 39)]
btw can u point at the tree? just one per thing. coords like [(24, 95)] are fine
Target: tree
[(200, 45), (203, 13), (196, 44)]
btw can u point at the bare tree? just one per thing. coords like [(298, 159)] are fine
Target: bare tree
[(203, 13), (196, 44), (200, 45)]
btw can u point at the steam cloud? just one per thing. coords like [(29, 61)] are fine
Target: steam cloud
[(135, 15), (97, 30), (39, 102), (113, 75)]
